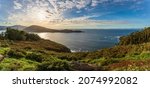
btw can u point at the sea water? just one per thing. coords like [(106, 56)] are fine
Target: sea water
[(89, 39)]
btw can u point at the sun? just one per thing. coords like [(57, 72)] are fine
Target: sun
[(41, 16)]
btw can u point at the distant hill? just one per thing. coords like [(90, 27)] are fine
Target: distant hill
[(19, 27), (3, 27), (35, 28)]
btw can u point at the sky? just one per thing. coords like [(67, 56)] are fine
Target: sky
[(76, 14)]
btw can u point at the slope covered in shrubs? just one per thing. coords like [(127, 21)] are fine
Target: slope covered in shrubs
[(132, 53), (138, 37)]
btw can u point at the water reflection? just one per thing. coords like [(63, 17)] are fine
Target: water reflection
[(89, 40)]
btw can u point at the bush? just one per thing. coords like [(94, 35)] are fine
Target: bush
[(12, 64), (54, 65), (35, 57), (16, 54), (32, 37), (71, 56), (138, 37), (2, 36), (4, 43), (4, 50), (13, 34)]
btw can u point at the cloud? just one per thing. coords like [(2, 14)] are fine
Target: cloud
[(17, 5), (51, 12), (47, 10)]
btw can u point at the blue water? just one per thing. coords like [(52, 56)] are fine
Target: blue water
[(89, 40)]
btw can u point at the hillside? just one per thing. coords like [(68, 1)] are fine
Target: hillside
[(35, 28), (19, 27), (34, 54), (138, 37), (22, 40)]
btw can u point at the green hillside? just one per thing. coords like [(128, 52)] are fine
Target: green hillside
[(131, 54)]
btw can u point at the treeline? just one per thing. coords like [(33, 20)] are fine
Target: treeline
[(13, 34), (138, 37)]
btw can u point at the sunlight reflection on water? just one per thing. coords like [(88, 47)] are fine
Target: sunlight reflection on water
[(89, 40)]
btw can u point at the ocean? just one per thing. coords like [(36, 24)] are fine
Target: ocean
[(89, 40)]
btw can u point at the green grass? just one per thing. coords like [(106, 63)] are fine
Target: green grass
[(133, 68), (4, 50), (12, 64)]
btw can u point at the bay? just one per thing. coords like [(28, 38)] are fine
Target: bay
[(89, 40)]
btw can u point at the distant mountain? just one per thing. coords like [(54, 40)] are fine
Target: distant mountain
[(35, 28), (3, 27), (19, 27)]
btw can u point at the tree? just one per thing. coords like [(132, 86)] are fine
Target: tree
[(13, 34)]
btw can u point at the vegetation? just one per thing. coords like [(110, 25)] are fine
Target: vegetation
[(136, 37), (54, 64), (13, 34), (132, 53)]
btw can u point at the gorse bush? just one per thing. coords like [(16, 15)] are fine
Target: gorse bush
[(54, 65), (16, 54), (35, 57)]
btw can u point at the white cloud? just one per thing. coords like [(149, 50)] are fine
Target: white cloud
[(17, 5), (47, 10), (82, 18), (50, 12)]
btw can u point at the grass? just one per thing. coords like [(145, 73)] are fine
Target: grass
[(3, 50), (12, 64), (48, 55)]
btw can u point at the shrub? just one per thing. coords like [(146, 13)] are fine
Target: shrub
[(13, 34), (4, 44), (2, 36), (4, 50), (12, 64), (54, 65), (71, 56), (138, 37), (32, 37), (35, 57), (16, 54)]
